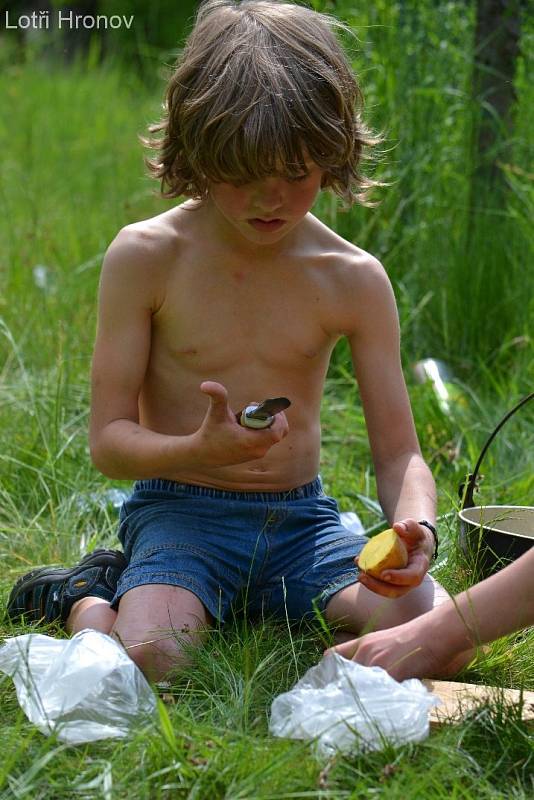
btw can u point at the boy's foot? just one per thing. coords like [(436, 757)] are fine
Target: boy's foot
[(48, 593)]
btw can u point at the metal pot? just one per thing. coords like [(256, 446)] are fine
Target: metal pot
[(492, 536)]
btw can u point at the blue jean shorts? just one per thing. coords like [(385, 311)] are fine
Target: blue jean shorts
[(282, 554)]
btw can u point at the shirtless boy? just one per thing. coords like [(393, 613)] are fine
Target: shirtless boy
[(237, 295)]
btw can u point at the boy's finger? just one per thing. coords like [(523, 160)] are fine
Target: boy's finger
[(214, 389), (218, 398), (411, 575), (409, 530), (280, 426), (383, 588), (402, 577)]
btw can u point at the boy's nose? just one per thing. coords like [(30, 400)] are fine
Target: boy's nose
[(269, 195)]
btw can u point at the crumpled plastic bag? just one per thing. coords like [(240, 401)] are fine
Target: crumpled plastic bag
[(84, 688), (347, 707)]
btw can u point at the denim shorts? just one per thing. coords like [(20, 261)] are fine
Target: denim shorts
[(281, 554)]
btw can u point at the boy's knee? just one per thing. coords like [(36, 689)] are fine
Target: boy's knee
[(155, 655)]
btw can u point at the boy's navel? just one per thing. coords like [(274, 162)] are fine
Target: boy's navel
[(238, 275)]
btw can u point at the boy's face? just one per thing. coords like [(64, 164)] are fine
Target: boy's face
[(264, 211)]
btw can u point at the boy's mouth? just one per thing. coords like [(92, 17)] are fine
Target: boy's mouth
[(266, 224)]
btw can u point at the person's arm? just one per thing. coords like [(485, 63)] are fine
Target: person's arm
[(405, 486), (427, 646), (131, 290)]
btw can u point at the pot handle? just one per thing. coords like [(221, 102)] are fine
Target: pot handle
[(467, 489)]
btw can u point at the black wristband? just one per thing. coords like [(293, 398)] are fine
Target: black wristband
[(434, 533)]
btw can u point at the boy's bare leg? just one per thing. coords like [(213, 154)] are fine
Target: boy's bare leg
[(355, 609), (91, 612), (152, 622)]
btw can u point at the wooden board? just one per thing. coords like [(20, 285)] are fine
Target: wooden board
[(460, 698)]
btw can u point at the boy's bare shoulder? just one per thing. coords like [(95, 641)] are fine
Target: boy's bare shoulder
[(358, 284), (349, 266), (343, 258), (149, 241), (141, 255)]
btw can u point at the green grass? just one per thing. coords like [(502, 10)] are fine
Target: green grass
[(71, 175)]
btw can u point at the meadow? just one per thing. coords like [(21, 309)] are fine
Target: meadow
[(71, 175)]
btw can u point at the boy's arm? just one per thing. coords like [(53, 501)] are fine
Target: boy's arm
[(120, 447), (132, 288), (405, 486)]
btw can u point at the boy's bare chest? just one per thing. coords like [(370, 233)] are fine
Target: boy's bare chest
[(213, 320)]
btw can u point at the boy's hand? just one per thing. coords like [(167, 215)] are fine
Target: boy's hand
[(398, 582), (221, 441)]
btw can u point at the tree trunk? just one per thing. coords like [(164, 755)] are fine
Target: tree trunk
[(498, 25)]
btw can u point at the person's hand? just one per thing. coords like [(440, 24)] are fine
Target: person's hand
[(405, 651), (398, 582), (222, 441)]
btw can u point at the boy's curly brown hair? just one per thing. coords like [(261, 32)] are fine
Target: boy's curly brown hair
[(260, 88)]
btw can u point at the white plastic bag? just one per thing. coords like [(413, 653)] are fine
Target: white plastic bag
[(345, 706), (351, 521), (84, 688)]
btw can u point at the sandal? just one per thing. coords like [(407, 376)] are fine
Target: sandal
[(48, 594)]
